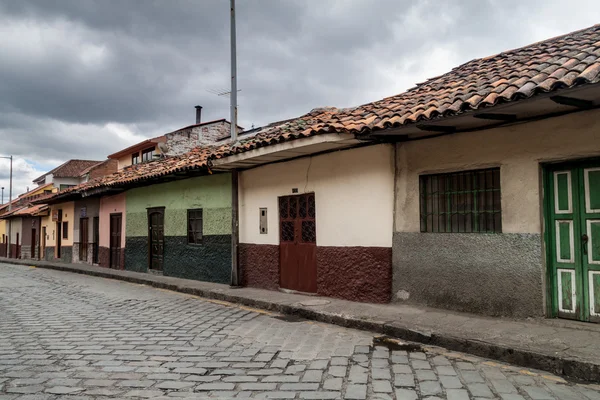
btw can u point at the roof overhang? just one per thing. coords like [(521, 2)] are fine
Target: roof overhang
[(538, 107), (286, 151)]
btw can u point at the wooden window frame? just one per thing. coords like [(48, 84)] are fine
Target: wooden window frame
[(65, 230), (150, 151), (461, 202), (192, 239), (135, 158)]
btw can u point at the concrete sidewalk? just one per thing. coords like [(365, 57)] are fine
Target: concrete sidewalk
[(562, 347)]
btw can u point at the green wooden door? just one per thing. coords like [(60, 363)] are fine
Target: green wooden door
[(573, 236)]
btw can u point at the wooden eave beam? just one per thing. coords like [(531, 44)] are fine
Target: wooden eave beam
[(496, 116), (437, 128), (573, 102)]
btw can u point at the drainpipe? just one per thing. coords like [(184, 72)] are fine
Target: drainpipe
[(235, 272)]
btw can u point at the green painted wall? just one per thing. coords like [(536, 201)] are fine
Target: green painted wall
[(212, 193)]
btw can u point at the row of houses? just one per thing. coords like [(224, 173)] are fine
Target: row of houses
[(477, 191)]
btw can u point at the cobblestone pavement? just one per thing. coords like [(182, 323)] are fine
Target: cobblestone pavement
[(68, 336)]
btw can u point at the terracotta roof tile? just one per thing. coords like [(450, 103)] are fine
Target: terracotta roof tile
[(553, 64), (70, 169), (560, 62)]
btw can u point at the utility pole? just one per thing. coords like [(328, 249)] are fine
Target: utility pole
[(235, 230)]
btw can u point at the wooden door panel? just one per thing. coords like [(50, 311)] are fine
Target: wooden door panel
[(115, 241), (33, 242), (566, 255), (96, 238), (591, 239), (156, 238), (574, 234), (298, 267), (307, 272), (83, 239)]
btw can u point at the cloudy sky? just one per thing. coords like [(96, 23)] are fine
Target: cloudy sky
[(85, 78)]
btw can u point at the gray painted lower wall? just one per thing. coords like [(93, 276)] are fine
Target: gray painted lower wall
[(491, 274)]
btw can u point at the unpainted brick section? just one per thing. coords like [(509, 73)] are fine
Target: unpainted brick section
[(184, 140)]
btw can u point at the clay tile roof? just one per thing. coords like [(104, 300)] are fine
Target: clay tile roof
[(27, 211), (70, 169), (195, 159), (557, 63)]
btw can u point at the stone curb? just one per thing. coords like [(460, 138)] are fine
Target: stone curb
[(568, 367)]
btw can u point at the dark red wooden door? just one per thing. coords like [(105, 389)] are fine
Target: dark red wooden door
[(33, 243), (83, 239), (298, 243), (156, 235), (115, 241), (96, 238)]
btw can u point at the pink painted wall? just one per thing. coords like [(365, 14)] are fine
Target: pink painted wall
[(110, 205)]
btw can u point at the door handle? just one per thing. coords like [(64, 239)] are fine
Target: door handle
[(584, 241)]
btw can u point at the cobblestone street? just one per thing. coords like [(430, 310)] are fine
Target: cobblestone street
[(72, 336)]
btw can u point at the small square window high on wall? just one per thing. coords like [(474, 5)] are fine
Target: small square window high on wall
[(194, 226), (461, 202)]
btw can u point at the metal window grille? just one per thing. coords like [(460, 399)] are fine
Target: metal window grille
[(195, 231), (467, 201)]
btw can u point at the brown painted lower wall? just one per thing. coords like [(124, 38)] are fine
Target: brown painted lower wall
[(351, 273), (355, 273), (260, 265)]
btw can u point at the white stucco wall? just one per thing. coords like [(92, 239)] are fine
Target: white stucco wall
[(518, 150), (353, 195)]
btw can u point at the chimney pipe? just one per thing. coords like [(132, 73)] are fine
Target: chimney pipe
[(198, 114)]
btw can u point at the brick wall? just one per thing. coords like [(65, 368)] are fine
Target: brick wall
[(106, 168), (184, 140)]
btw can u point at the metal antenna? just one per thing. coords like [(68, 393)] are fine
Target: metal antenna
[(221, 92)]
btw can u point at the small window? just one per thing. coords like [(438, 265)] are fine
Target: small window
[(195, 226), (135, 158), (63, 186), (467, 201), (148, 154), (65, 230)]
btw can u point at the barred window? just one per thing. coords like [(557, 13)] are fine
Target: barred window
[(195, 226), (467, 201)]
